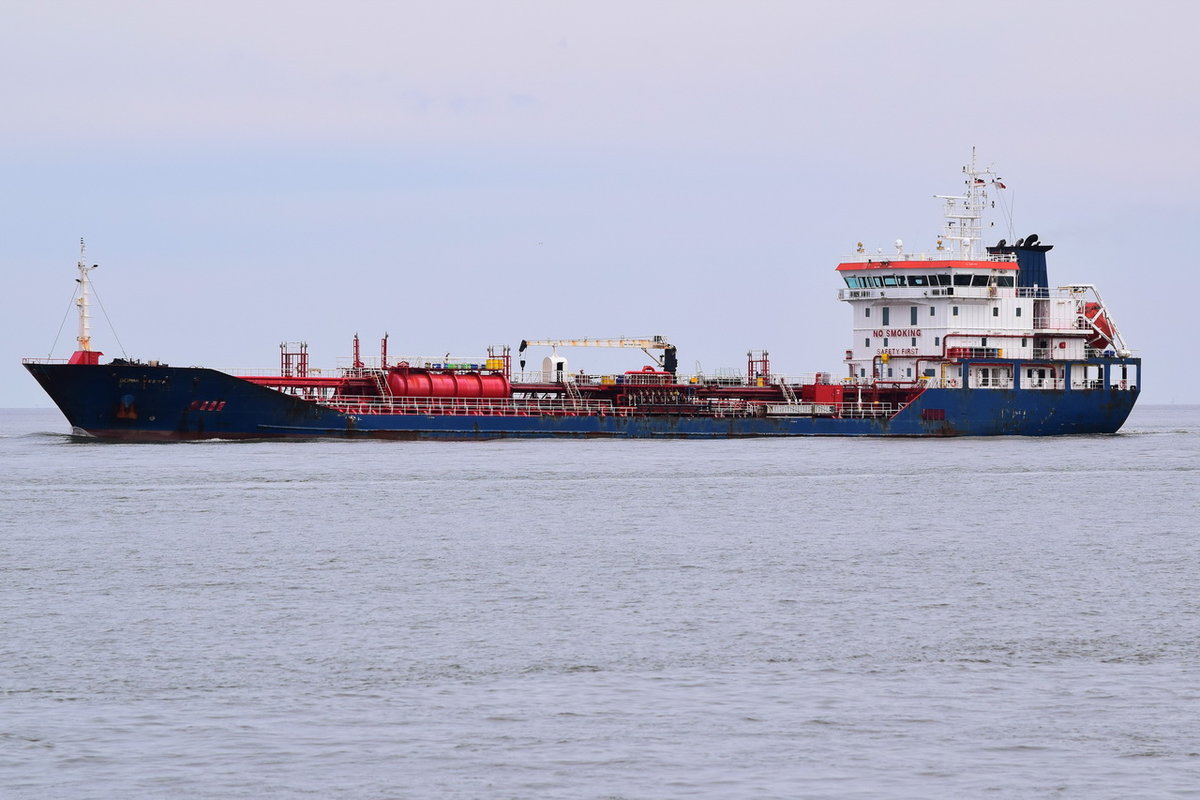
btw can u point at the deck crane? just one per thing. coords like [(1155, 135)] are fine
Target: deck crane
[(669, 361)]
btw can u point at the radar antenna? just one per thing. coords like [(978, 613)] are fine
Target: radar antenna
[(964, 213)]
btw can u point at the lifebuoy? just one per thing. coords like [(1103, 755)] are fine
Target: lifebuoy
[(952, 383)]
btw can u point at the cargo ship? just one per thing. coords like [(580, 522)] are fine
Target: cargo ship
[(967, 340)]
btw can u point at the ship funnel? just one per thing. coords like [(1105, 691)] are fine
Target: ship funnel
[(1031, 262)]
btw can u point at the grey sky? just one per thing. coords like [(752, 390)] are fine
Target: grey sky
[(465, 174)]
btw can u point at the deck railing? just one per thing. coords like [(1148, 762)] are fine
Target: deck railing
[(469, 406), (718, 408), (842, 410)]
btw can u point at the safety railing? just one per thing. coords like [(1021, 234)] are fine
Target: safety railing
[(961, 292), (520, 379), (975, 352), (473, 363), (863, 257), (1060, 323), (469, 406), (1042, 383), (1092, 352), (716, 408), (851, 410)]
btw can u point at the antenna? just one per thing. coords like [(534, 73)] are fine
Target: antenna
[(964, 212), (85, 320)]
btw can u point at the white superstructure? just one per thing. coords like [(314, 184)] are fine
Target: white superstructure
[(924, 318)]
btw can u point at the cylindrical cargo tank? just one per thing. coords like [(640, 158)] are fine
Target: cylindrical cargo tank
[(423, 383)]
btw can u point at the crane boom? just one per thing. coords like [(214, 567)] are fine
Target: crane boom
[(643, 343), (669, 361)]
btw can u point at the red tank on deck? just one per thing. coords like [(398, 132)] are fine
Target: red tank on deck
[(405, 382)]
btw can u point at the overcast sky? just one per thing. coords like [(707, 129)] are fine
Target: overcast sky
[(465, 174)]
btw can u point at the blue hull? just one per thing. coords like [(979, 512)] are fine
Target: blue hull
[(152, 403)]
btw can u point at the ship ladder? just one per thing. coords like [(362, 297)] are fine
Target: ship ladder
[(788, 394), (573, 393), (382, 386)]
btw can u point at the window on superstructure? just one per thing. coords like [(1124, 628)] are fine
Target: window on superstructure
[(913, 315), (1023, 342), (908, 372), (862, 372), (917, 280), (954, 311), (885, 344), (887, 313), (1005, 280), (1018, 311), (866, 342), (943, 280), (889, 280), (914, 340), (867, 311), (937, 341), (983, 341), (962, 280), (995, 311), (979, 280), (932, 311)]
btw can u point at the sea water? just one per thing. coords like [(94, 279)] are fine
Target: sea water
[(820, 618)]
